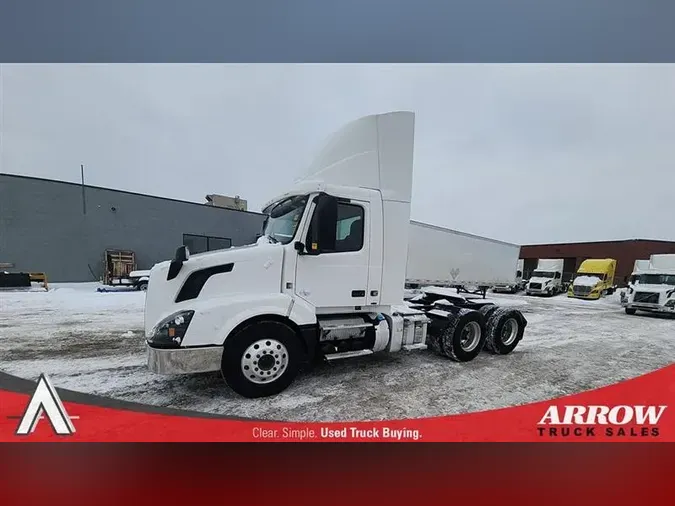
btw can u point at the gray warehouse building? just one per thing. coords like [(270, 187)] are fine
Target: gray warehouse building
[(63, 229)]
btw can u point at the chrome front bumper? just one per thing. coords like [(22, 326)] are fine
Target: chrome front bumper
[(184, 360), (654, 308)]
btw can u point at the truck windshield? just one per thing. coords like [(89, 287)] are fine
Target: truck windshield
[(283, 218), (657, 279), (543, 274)]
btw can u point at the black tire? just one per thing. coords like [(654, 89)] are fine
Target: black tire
[(487, 310), (433, 342), (505, 329), (142, 286), (465, 320), (630, 310), (265, 332)]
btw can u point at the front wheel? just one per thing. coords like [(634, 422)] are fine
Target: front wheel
[(262, 359), (630, 310)]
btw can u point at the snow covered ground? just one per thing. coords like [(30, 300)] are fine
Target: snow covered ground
[(93, 342)]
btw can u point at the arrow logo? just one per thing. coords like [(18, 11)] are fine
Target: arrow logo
[(45, 400)]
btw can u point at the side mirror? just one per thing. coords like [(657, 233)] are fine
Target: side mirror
[(299, 247)]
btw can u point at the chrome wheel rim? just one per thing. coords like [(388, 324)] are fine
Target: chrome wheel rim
[(509, 331), (471, 335), (264, 361)]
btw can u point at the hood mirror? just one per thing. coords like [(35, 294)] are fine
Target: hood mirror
[(182, 255)]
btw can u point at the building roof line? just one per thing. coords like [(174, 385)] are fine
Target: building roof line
[(594, 242), (138, 194)]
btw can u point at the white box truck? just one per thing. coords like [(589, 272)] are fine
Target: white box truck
[(546, 279), (326, 279), (654, 289)]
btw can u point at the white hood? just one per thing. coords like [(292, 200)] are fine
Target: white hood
[(543, 281), (586, 281)]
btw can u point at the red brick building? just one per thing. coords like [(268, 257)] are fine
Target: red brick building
[(625, 253)]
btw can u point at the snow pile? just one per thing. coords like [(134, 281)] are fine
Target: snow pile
[(586, 281)]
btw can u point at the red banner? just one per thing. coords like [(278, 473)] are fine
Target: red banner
[(635, 410)]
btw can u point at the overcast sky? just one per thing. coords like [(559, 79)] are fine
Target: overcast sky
[(521, 153)]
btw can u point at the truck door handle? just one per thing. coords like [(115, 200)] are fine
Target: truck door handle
[(358, 293)]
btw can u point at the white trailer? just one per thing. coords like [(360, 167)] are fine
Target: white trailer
[(513, 286), (443, 257), (326, 279), (654, 289), (547, 278)]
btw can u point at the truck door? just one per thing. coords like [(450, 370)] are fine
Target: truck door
[(332, 266)]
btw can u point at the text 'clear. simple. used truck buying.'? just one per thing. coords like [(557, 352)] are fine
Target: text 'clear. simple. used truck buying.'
[(326, 280)]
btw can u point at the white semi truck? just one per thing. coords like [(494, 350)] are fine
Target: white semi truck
[(326, 280), (654, 290), (547, 278)]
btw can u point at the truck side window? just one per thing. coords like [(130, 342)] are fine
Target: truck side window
[(349, 230)]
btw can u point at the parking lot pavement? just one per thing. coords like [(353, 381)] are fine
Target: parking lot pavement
[(93, 342)]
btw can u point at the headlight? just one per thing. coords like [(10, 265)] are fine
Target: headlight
[(171, 330)]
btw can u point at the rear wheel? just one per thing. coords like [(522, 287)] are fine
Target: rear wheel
[(262, 359), (142, 286), (487, 310), (505, 329), (464, 336)]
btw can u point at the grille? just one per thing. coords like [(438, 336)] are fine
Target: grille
[(535, 286), (582, 290), (647, 297)]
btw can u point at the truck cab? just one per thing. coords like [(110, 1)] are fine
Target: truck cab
[(594, 279), (546, 279), (324, 280), (654, 290)]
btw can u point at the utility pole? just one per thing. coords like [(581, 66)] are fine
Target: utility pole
[(84, 201)]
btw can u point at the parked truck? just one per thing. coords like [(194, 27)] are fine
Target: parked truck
[(654, 290), (469, 263), (638, 267), (546, 279), (325, 281), (514, 286), (594, 279)]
